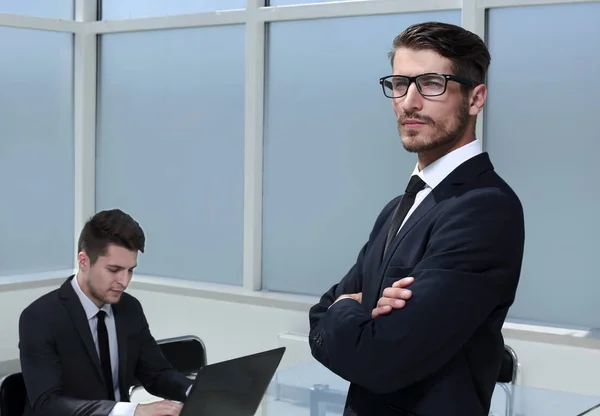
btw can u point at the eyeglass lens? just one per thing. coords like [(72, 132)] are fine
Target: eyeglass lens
[(430, 85)]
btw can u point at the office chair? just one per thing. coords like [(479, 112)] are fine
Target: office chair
[(508, 375), (12, 395), (187, 354), (508, 369)]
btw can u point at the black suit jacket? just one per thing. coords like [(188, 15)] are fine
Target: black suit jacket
[(61, 366), (440, 355)]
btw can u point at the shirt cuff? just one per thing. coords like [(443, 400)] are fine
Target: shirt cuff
[(187, 393), (123, 409), (346, 297)]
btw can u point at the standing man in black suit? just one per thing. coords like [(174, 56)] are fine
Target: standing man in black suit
[(434, 348), (83, 345)]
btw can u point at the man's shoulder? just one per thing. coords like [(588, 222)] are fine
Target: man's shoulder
[(492, 184), (42, 306), (486, 199), (479, 178), (48, 299)]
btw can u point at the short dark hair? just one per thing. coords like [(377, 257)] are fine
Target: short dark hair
[(467, 51), (110, 227)]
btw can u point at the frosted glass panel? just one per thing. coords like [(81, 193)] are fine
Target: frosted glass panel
[(333, 157), (36, 151), (170, 146), (292, 2), (542, 134), (61, 9), (133, 9)]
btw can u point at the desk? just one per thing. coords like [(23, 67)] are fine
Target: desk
[(313, 390)]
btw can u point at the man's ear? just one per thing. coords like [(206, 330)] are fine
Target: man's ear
[(477, 99), (83, 261)]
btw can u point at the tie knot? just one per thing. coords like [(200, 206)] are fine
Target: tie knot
[(415, 185), (101, 315)]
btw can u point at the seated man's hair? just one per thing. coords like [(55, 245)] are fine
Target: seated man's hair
[(110, 227)]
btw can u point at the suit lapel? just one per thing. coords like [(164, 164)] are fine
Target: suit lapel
[(121, 326), (449, 187), (424, 207), (77, 314)]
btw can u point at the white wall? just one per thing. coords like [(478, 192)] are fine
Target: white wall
[(231, 329), (13, 299)]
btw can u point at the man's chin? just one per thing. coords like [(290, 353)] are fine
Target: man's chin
[(113, 298), (416, 144)]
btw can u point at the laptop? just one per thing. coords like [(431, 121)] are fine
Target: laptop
[(232, 388)]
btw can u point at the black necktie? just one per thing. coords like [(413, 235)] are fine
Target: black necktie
[(105, 355), (408, 199)]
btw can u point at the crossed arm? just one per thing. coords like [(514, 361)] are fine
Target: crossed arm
[(470, 267)]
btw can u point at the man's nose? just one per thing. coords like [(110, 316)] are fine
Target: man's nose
[(413, 100), (123, 277)]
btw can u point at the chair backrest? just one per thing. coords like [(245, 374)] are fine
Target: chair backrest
[(187, 354), (12, 395), (508, 369)]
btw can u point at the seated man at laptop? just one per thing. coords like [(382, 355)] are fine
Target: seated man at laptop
[(83, 345)]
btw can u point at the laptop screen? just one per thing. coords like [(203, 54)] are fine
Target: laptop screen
[(233, 388)]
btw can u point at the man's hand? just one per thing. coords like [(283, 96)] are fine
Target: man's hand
[(162, 408), (394, 297)]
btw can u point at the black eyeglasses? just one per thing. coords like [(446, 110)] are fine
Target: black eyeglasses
[(429, 85)]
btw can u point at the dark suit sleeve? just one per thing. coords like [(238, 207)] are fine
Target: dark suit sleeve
[(40, 364), (470, 268), (154, 371), (351, 283)]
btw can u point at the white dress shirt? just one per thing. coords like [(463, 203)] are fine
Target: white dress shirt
[(91, 311), (434, 173)]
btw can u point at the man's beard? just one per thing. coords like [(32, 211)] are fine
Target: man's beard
[(443, 136), (96, 295)]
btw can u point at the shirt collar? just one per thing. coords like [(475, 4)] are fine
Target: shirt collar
[(434, 173), (90, 308)]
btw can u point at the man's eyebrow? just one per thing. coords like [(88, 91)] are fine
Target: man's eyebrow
[(116, 266)]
